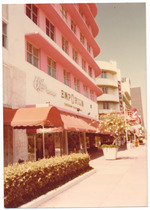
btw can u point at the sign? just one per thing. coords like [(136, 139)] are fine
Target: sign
[(40, 86), (71, 98), (120, 96)]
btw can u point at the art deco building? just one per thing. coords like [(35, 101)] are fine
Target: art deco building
[(126, 94), (48, 60), (109, 82)]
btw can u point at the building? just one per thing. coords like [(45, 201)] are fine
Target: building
[(109, 82), (126, 94), (136, 100), (48, 60)]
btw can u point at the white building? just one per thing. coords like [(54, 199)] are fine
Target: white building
[(109, 82), (126, 93)]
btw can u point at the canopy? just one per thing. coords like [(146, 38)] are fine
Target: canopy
[(40, 116), (76, 123)]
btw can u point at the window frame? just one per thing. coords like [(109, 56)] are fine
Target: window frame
[(76, 84), (75, 55), (104, 74), (66, 78), (49, 31), (90, 71), (105, 105), (92, 95), (105, 90), (32, 12), (83, 64), (51, 67), (85, 90), (65, 45), (63, 13), (82, 38), (4, 35), (73, 26), (88, 47), (32, 56)]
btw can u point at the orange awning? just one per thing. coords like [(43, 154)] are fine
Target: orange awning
[(76, 123), (40, 116)]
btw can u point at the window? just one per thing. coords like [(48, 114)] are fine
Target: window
[(88, 47), (32, 55), (66, 78), (4, 35), (73, 26), (105, 90), (32, 12), (83, 64), (65, 45), (50, 29), (92, 95), (90, 71), (74, 55), (76, 84), (103, 75), (63, 13), (51, 66), (82, 38), (105, 105), (85, 89)]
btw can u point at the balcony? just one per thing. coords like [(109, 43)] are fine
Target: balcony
[(106, 82), (108, 98)]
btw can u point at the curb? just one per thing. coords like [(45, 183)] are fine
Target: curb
[(43, 198)]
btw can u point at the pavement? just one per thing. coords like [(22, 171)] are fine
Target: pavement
[(112, 183)]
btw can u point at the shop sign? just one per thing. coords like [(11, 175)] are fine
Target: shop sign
[(71, 98), (40, 86)]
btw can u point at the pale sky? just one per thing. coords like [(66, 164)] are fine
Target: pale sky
[(122, 37)]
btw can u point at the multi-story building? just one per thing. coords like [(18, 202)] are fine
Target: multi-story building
[(136, 100), (126, 94), (108, 81), (48, 59)]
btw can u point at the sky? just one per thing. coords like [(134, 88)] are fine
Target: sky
[(122, 37)]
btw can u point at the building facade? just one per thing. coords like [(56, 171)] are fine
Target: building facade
[(108, 81), (126, 94), (136, 100), (48, 59)]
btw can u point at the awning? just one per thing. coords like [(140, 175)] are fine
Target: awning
[(76, 123), (40, 116), (8, 115)]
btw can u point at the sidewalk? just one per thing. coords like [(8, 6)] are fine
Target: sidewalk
[(116, 183)]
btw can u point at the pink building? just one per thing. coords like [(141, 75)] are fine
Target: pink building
[(48, 60)]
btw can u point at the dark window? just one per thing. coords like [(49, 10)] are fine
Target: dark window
[(50, 29), (32, 55), (32, 12), (4, 35), (51, 65)]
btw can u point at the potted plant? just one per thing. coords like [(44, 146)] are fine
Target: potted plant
[(113, 124)]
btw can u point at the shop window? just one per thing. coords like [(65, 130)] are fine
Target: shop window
[(105, 90), (74, 55), (4, 34), (32, 12), (83, 64), (92, 95), (51, 65), (73, 26), (82, 38), (32, 55), (65, 45), (103, 74), (85, 90), (90, 71), (105, 105), (76, 84), (66, 78), (50, 29), (63, 13), (88, 47)]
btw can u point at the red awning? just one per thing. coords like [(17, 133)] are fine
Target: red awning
[(76, 123), (40, 116), (8, 115)]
